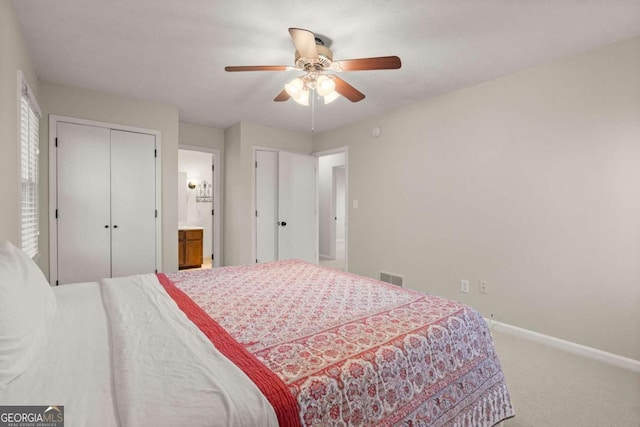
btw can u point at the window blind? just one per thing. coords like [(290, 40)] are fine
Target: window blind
[(29, 142)]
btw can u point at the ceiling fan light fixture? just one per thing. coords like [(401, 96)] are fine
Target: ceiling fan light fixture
[(313, 56), (303, 97), (295, 87), (329, 98), (325, 85)]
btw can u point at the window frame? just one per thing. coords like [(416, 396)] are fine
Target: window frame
[(29, 179)]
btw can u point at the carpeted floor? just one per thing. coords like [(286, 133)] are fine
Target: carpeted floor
[(339, 262), (551, 387)]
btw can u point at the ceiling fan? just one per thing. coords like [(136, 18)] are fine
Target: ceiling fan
[(316, 59)]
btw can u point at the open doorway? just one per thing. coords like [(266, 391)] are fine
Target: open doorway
[(332, 201), (198, 203)]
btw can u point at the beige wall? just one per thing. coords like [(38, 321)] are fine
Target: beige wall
[(13, 57), (237, 215), (91, 105), (240, 141), (201, 136), (530, 182)]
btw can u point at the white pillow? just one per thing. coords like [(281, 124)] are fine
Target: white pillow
[(27, 304)]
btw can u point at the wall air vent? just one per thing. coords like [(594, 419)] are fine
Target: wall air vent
[(392, 278)]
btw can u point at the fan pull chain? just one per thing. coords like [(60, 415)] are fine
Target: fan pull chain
[(313, 110)]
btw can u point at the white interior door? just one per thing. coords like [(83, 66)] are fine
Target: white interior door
[(266, 206), (340, 202), (133, 203), (83, 188), (297, 207)]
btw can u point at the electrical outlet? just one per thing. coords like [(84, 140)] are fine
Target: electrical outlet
[(464, 286), (484, 287)]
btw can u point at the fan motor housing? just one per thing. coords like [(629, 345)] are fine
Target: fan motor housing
[(324, 60)]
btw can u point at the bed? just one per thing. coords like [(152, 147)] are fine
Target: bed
[(283, 343)]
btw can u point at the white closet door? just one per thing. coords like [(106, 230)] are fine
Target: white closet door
[(133, 203), (297, 207), (266, 206), (83, 188)]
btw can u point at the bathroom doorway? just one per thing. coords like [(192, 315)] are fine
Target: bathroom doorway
[(198, 207)]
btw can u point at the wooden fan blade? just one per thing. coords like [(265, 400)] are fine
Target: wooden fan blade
[(305, 42), (348, 91), (378, 63), (258, 68), (282, 96)]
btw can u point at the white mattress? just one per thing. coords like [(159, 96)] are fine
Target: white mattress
[(77, 355)]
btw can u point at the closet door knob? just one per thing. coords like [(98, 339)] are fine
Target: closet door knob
[(106, 226), (115, 226)]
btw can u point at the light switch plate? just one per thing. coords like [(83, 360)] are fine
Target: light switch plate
[(464, 286)]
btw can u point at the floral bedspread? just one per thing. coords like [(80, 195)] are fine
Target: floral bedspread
[(355, 351)]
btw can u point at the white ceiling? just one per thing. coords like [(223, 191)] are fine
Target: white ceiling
[(175, 51)]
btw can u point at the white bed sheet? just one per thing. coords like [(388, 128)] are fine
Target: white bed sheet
[(74, 367), (166, 371)]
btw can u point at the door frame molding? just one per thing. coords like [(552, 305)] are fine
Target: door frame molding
[(53, 179), (345, 150), (218, 209), (334, 204)]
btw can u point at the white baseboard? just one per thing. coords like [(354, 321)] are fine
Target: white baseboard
[(571, 347)]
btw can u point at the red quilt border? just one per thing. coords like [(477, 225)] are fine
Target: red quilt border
[(271, 386)]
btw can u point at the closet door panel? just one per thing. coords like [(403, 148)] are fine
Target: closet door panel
[(83, 188), (297, 207), (267, 206), (133, 203)]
